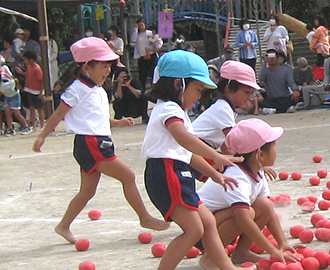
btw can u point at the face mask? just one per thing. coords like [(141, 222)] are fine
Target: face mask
[(246, 27), (89, 34), (191, 50), (303, 69), (272, 21), (228, 55)]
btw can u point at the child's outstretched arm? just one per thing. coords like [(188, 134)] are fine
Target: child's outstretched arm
[(201, 165), (196, 146), (124, 122), (52, 122)]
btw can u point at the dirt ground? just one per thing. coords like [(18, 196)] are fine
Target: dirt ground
[(37, 187)]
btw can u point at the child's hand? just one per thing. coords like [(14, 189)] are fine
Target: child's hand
[(224, 180), (37, 144), (269, 173), (287, 247), (128, 121), (226, 160)]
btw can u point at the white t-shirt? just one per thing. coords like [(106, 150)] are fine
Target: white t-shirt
[(89, 113), (215, 198), (214, 123), (118, 43), (143, 41), (158, 141)]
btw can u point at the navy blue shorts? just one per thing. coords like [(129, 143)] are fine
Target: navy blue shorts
[(169, 182), (89, 151)]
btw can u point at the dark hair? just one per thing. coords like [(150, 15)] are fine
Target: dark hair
[(309, 26), (277, 19), (209, 96), (265, 148), (140, 20), (164, 89), (59, 82), (30, 55), (114, 28), (92, 63), (322, 21), (120, 70), (154, 28), (243, 21), (89, 28)]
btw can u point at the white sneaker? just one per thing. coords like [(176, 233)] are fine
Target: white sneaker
[(291, 109), (268, 110)]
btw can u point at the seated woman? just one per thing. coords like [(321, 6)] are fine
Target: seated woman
[(129, 100)]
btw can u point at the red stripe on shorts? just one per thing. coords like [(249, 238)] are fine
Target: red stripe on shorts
[(174, 188)]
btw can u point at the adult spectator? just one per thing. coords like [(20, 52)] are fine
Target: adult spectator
[(89, 31), (276, 35), (30, 44), (6, 53), (279, 85), (129, 98), (116, 43), (146, 63), (326, 80), (303, 74), (228, 54), (246, 41), (320, 36)]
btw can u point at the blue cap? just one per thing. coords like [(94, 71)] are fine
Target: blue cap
[(183, 64)]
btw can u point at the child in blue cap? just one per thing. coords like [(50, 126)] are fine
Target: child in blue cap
[(170, 146)]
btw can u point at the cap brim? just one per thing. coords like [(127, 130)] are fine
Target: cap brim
[(251, 84), (208, 82), (277, 133)]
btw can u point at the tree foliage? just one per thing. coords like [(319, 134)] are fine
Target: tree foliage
[(304, 11)]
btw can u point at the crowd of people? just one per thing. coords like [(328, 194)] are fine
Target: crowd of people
[(177, 150)]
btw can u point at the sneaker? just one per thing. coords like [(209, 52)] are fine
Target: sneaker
[(10, 132), (268, 110), (26, 130), (291, 109)]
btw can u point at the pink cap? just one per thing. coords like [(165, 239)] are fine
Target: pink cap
[(251, 134), (92, 48), (243, 73)]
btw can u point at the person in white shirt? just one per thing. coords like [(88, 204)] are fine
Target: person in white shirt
[(244, 211), (85, 108)]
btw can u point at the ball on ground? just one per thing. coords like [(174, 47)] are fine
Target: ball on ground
[(306, 236), (283, 175), (322, 173), (87, 265), (296, 175), (158, 249), (296, 230), (310, 263), (82, 244), (317, 159), (193, 253), (94, 214), (145, 238), (308, 207)]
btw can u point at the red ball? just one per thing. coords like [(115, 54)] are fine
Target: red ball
[(158, 249), (264, 264), (312, 198), (82, 244), (278, 266), (322, 173), (308, 207), (310, 263), (294, 266), (317, 159), (326, 194), (94, 214), (296, 175), (145, 238), (283, 175), (266, 231), (87, 265), (122, 3), (306, 236), (301, 200), (230, 249), (193, 253), (324, 205), (296, 230), (247, 264), (320, 223), (314, 181), (323, 234), (283, 200), (256, 249), (322, 257), (328, 184), (315, 218)]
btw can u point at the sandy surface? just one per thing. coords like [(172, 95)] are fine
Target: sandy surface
[(37, 187)]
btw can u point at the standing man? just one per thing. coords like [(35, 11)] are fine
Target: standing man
[(146, 63), (281, 90)]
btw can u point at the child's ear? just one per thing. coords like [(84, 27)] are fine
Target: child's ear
[(178, 84)]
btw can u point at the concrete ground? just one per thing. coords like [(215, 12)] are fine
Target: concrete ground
[(37, 187)]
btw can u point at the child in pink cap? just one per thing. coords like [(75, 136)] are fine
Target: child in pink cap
[(85, 108), (246, 210)]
